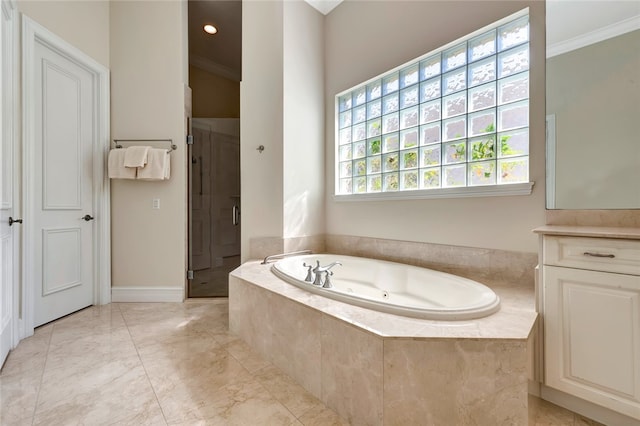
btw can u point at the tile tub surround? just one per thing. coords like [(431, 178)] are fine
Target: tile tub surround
[(261, 247), (370, 366), (488, 266)]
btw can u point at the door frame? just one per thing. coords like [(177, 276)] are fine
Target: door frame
[(33, 33), (10, 121), (551, 161)]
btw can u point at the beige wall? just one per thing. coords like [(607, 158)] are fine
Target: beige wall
[(84, 24), (366, 38), (147, 101), (148, 73), (594, 93), (282, 105), (261, 104), (213, 96), (303, 116)]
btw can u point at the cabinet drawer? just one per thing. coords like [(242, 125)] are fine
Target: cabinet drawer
[(596, 254)]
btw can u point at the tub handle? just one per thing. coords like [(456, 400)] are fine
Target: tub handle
[(309, 277), (327, 281), (283, 255)]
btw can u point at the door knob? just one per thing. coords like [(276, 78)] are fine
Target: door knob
[(12, 221), (87, 217)]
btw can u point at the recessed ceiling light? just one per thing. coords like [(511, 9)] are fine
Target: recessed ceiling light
[(210, 29)]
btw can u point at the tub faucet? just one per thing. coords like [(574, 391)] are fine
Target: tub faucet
[(331, 265), (319, 270)]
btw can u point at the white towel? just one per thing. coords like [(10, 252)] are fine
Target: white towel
[(136, 156), (158, 166), (167, 166), (117, 170)]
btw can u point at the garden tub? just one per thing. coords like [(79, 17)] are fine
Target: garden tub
[(393, 287)]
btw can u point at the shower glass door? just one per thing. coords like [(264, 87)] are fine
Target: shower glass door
[(214, 205)]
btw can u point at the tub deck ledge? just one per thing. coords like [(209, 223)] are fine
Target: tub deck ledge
[(515, 319), (379, 369)]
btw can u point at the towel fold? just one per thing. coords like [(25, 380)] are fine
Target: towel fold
[(136, 156), (117, 170), (158, 166)]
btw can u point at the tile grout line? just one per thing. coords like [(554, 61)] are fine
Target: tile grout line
[(275, 397), (383, 376), (254, 377), (135, 345), (46, 358)]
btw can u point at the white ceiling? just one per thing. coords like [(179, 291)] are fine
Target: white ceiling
[(219, 53), (568, 21)]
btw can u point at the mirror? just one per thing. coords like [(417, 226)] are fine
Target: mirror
[(593, 104)]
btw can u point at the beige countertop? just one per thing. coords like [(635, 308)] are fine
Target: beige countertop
[(589, 231)]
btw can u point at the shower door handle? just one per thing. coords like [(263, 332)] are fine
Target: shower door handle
[(201, 174), (235, 215)]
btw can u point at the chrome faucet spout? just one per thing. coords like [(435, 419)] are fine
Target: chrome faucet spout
[(317, 274), (326, 270), (331, 265)]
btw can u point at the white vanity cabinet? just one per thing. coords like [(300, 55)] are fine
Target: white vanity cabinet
[(591, 309)]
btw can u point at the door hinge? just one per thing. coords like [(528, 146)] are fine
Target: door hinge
[(189, 139), (189, 274)]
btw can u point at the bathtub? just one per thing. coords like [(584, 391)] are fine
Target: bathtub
[(394, 288)]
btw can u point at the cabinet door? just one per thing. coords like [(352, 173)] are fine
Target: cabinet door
[(592, 336)]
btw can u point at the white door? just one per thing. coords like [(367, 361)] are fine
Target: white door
[(6, 181), (61, 170)]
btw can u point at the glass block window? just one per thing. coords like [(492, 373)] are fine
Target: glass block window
[(456, 117)]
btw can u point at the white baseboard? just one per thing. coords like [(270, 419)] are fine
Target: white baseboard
[(147, 294), (586, 408)]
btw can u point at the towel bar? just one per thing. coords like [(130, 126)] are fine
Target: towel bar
[(173, 146)]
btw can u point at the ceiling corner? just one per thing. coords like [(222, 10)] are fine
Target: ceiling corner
[(324, 6)]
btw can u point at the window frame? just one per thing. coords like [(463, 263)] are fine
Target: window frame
[(504, 189)]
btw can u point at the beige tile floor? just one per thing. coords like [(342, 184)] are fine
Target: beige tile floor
[(161, 364)]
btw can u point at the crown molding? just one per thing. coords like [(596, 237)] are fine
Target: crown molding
[(324, 6), (601, 34), (214, 68)]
